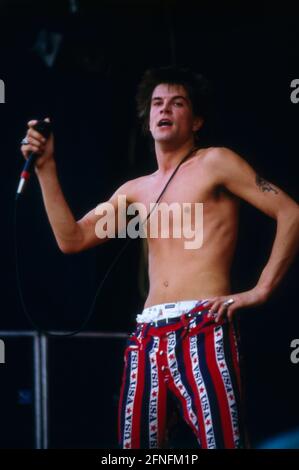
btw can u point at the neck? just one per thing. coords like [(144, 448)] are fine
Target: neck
[(169, 155)]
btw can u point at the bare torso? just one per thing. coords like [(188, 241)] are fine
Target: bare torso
[(177, 273)]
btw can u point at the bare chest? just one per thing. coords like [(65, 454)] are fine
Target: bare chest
[(191, 199), (184, 187)]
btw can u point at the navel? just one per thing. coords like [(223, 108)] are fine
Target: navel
[(165, 283)]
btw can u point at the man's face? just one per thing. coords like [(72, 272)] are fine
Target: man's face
[(171, 116)]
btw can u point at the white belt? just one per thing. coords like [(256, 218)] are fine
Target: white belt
[(169, 310)]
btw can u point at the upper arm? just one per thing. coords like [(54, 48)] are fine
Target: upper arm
[(239, 178), (104, 215)]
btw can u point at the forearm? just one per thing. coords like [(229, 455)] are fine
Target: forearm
[(283, 252), (65, 228)]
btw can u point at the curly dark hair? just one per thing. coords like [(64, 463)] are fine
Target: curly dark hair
[(196, 85)]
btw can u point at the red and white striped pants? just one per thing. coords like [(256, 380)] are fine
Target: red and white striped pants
[(197, 361)]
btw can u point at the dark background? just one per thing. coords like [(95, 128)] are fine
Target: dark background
[(250, 54)]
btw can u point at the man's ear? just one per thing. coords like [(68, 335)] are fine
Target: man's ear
[(197, 123)]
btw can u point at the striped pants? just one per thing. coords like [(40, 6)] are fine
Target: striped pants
[(197, 361)]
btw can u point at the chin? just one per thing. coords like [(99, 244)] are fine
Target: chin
[(164, 138)]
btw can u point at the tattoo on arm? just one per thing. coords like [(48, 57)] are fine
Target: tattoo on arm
[(264, 185)]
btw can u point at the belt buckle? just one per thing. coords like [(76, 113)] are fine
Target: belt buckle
[(161, 322)]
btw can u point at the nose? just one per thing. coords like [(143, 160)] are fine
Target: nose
[(165, 108)]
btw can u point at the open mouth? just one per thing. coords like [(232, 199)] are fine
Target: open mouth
[(164, 123)]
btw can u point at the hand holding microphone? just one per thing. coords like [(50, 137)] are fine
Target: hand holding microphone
[(37, 148)]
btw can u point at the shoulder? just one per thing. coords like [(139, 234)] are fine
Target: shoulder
[(223, 167), (218, 155), (221, 160), (132, 187)]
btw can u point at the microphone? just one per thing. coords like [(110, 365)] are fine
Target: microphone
[(44, 128)]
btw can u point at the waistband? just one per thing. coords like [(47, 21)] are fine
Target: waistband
[(167, 311)]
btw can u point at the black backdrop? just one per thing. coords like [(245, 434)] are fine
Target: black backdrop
[(250, 54)]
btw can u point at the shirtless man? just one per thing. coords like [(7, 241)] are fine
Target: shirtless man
[(185, 340)]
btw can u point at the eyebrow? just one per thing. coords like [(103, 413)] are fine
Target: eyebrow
[(173, 98)]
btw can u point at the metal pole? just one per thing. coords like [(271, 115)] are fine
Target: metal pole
[(37, 391), (44, 390)]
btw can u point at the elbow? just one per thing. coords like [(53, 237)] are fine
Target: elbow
[(291, 215), (295, 216), (68, 248), (71, 245), (290, 221)]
